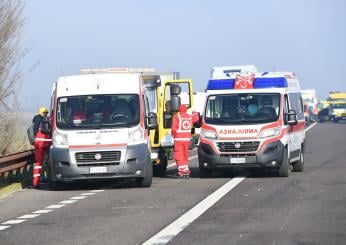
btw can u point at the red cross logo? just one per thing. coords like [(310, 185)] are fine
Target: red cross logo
[(242, 82), (186, 125)]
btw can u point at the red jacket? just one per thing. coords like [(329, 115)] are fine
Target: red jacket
[(182, 124)]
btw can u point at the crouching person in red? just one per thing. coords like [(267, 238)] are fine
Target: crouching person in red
[(42, 142), (181, 132)]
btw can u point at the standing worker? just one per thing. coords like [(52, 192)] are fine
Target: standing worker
[(181, 131), (42, 142)]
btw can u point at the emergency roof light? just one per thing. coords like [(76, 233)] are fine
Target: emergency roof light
[(115, 70), (259, 82)]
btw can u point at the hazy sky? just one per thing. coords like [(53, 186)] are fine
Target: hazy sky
[(304, 36)]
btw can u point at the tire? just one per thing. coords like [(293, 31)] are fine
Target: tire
[(298, 166), (204, 172), (52, 184), (285, 167), (160, 169), (148, 176)]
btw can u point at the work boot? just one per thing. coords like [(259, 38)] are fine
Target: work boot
[(186, 176)]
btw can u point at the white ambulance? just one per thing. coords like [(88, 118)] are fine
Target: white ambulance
[(100, 128), (252, 119)]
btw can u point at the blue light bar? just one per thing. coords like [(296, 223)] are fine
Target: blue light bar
[(270, 82), (219, 84), (260, 82)]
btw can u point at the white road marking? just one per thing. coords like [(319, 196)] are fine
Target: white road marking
[(3, 227), (78, 197), (28, 216), (13, 221), (42, 211), (55, 206), (88, 194), (186, 219), (174, 164), (68, 201), (172, 230), (310, 127), (97, 190)]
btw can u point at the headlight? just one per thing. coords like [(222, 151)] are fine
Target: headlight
[(208, 134), (135, 136), (60, 139), (270, 132)]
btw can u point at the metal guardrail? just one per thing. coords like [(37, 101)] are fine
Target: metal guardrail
[(16, 168), (16, 161)]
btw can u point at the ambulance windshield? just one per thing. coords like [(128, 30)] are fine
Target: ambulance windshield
[(225, 109), (98, 111)]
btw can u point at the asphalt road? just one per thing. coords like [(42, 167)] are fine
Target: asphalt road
[(305, 208)]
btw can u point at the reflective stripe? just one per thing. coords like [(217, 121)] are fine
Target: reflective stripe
[(182, 139), (37, 175), (183, 131), (37, 167), (40, 139)]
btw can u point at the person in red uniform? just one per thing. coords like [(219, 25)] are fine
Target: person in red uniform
[(42, 143), (181, 132)]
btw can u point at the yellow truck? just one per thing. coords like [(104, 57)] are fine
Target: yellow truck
[(164, 100), (162, 91)]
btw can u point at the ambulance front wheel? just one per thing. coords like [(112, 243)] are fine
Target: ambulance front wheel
[(53, 184), (204, 172), (285, 167), (298, 166), (148, 175)]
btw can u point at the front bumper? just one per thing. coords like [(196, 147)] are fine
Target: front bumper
[(270, 156), (132, 164)]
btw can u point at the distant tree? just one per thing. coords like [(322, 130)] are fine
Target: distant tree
[(11, 53)]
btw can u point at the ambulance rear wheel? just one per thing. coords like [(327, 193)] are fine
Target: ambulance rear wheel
[(285, 167), (298, 166)]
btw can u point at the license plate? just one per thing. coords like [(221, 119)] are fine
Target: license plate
[(237, 160), (97, 170)]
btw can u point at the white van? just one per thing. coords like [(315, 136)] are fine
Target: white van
[(100, 129), (252, 119)]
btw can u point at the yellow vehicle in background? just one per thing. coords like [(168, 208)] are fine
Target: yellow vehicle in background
[(164, 99), (336, 104), (163, 95)]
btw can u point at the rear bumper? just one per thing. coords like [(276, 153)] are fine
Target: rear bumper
[(271, 153), (132, 165)]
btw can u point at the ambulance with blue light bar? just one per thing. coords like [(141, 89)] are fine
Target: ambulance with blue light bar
[(252, 119), (100, 127)]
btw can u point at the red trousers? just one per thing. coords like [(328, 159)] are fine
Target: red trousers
[(181, 156), (39, 157)]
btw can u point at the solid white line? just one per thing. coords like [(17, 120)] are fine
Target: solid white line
[(175, 164), (3, 227), (68, 201), (28, 216), (310, 127), (183, 221), (13, 222), (55, 206), (42, 211), (88, 194), (97, 190), (78, 197)]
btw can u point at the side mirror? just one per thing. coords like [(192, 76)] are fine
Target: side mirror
[(167, 120), (172, 105), (45, 127), (291, 117), (152, 120)]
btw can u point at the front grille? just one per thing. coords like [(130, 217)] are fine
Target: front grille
[(101, 157), (246, 146), (99, 175), (98, 164)]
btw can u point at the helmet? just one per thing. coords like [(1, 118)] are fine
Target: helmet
[(42, 110)]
